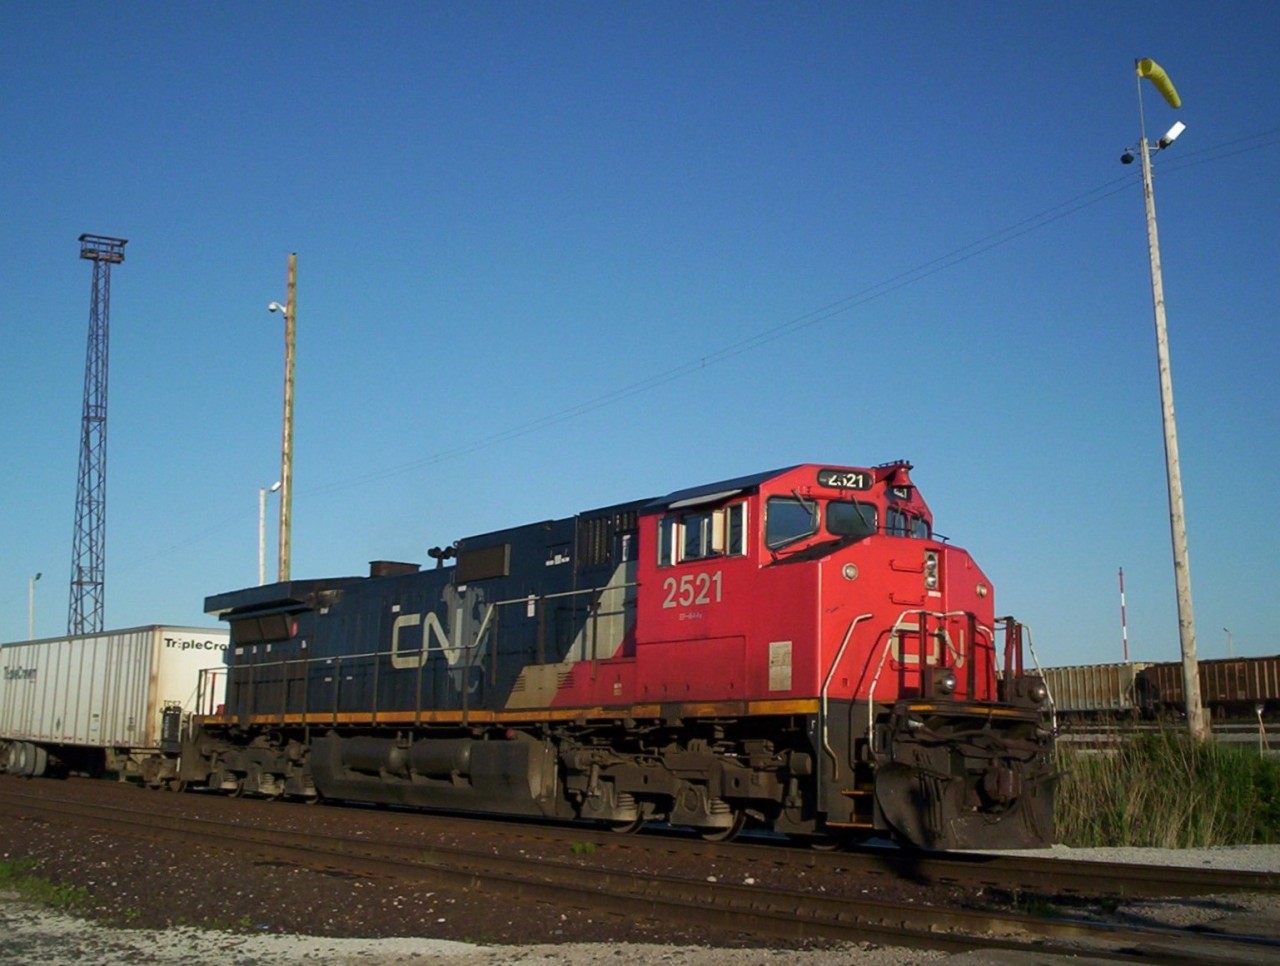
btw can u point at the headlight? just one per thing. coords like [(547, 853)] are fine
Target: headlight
[(1031, 690), (944, 682), (931, 570)]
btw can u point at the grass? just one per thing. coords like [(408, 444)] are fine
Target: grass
[(19, 877), (1165, 790)]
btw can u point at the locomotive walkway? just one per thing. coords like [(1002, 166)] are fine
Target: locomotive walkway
[(603, 876)]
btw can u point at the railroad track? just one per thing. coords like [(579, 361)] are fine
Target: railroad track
[(1073, 877), (743, 909)]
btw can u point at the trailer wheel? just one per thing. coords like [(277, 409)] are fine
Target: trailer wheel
[(39, 761)]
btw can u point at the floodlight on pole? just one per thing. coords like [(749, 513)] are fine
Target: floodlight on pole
[(1196, 724)]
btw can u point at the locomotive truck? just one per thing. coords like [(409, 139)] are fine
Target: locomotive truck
[(795, 649)]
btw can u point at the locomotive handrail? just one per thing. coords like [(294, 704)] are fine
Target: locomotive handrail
[(565, 593), (1053, 705), (464, 652), (826, 744), (884, 655)]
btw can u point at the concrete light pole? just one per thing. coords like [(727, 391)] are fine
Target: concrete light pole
[(262, 530), (31, 606), (1177, 518)]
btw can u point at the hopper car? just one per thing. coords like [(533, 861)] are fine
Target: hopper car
[(1239, 688), (1231, 689)]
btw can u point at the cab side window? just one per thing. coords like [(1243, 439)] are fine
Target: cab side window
[(700, 534), (895, 523), (901, 524)]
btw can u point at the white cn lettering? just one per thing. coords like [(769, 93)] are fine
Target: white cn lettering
[(433, 635)]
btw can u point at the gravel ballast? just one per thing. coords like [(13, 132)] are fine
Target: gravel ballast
[(145, 902), (43, 937)]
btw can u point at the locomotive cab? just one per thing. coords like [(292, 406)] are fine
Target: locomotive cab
[(827, 586)]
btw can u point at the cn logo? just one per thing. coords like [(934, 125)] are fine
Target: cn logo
[(435, 636)]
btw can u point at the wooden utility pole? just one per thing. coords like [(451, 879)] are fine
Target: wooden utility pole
[(286, 440), (1177, 518)]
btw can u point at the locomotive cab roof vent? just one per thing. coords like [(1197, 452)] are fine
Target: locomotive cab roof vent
[(391, 568)]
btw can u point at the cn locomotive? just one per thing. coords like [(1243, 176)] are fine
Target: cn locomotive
[(795, 650)]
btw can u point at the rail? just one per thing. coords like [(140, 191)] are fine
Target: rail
[(794, 903)]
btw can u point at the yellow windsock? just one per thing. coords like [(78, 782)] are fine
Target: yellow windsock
[(1149, 69)]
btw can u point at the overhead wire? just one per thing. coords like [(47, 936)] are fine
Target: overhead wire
[(772, 334), (911, 276)]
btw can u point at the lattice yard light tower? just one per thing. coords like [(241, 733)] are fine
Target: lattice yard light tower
[(88, 554)]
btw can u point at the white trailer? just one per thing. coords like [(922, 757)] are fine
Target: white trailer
[(114, 701)]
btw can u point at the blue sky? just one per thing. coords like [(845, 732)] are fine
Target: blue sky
[(558, 255)]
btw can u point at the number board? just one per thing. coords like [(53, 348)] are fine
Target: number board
[(846, 479)]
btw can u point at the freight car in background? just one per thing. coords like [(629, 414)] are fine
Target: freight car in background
[(112, 702), (1095, 691), (1233, 688), (794, 649)]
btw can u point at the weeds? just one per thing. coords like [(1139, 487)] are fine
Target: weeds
[(1165, 790), (19, 877)]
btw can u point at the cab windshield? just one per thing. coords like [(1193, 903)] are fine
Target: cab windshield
[(850, 518), (788, 520)]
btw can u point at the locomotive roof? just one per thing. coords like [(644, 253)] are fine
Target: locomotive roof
[(726, 487), (271, 598)]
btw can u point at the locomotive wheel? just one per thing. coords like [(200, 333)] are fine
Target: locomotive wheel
[(826, 843), (625, 828), (727, 834)]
